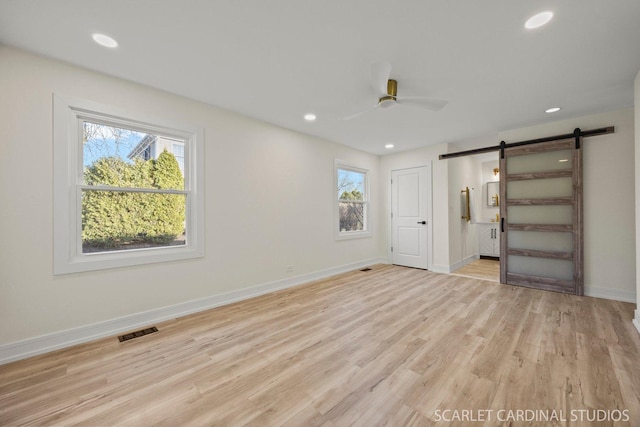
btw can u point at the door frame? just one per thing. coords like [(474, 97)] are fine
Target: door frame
[(429, 212)]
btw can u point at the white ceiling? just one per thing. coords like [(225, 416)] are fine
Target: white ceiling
[(276, 60)]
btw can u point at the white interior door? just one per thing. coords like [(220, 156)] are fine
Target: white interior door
[(410, 215)]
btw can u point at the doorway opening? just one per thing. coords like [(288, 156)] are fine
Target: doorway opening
[(474, 238), (483, 269)]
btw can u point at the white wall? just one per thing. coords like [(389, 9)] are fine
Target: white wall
[(269, 204), (463, 236), (609, 220), (636, 86), (439, 258)]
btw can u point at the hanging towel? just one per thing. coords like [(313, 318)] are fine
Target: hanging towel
[(472, 206)]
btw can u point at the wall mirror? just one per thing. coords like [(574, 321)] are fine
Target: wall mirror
[(493, 191)]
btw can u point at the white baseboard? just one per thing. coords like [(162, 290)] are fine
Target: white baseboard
[(57, 340), (463, 262), (446, 269), (608, 293), (636, 319)]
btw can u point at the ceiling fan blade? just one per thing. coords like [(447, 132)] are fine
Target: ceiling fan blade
[(380, 73), (358, 114), (431, 104)]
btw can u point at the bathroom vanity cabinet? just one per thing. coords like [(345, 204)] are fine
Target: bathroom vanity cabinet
[(489, 239)]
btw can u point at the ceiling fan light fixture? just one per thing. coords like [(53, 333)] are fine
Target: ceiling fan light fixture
[(538, 20)]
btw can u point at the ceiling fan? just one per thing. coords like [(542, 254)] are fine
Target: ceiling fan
[(387, 92)]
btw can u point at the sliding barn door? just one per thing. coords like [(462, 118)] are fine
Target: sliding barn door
[(541, 210)]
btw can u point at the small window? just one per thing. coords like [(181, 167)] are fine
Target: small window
[(352, 202), (120, 196)]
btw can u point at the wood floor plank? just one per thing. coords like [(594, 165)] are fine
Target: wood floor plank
[(597, 376), (628, 380), (485, 269), (470, 393), (390, 346)]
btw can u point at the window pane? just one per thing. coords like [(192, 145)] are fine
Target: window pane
[(540, 188), (121, 157), (352, 215), (117, 220), (351, 185), (541, 240), (541, 267), (541, 162), (178, 152), (551, 214)]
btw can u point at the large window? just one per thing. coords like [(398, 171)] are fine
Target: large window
[(352, 201), (124, 189)]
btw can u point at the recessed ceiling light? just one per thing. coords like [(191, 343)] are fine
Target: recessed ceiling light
[(563, 160), (104, 40), (552, 110), (538, 20), (388, 146), (310, 117)]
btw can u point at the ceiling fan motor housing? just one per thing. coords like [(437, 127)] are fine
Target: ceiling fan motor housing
[(392, 88), (392, 92)]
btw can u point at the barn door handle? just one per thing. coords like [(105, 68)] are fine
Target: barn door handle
[(502, 224), (422, 222)]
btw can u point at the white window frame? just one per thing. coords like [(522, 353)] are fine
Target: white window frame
[(68, 117), (346, 235)]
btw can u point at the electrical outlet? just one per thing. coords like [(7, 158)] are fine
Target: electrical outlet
[(289, 269)]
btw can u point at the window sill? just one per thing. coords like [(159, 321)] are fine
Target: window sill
[(117, 259), (349, 235)]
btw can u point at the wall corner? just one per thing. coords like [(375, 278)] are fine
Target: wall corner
[(636, 91)]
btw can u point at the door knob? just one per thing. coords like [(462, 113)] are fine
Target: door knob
[(422, 222)]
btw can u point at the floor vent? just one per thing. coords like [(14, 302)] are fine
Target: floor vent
[(366, 269), (136, 334)]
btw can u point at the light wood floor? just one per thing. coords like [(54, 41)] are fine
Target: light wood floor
[(386, 347), (485, 269)]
